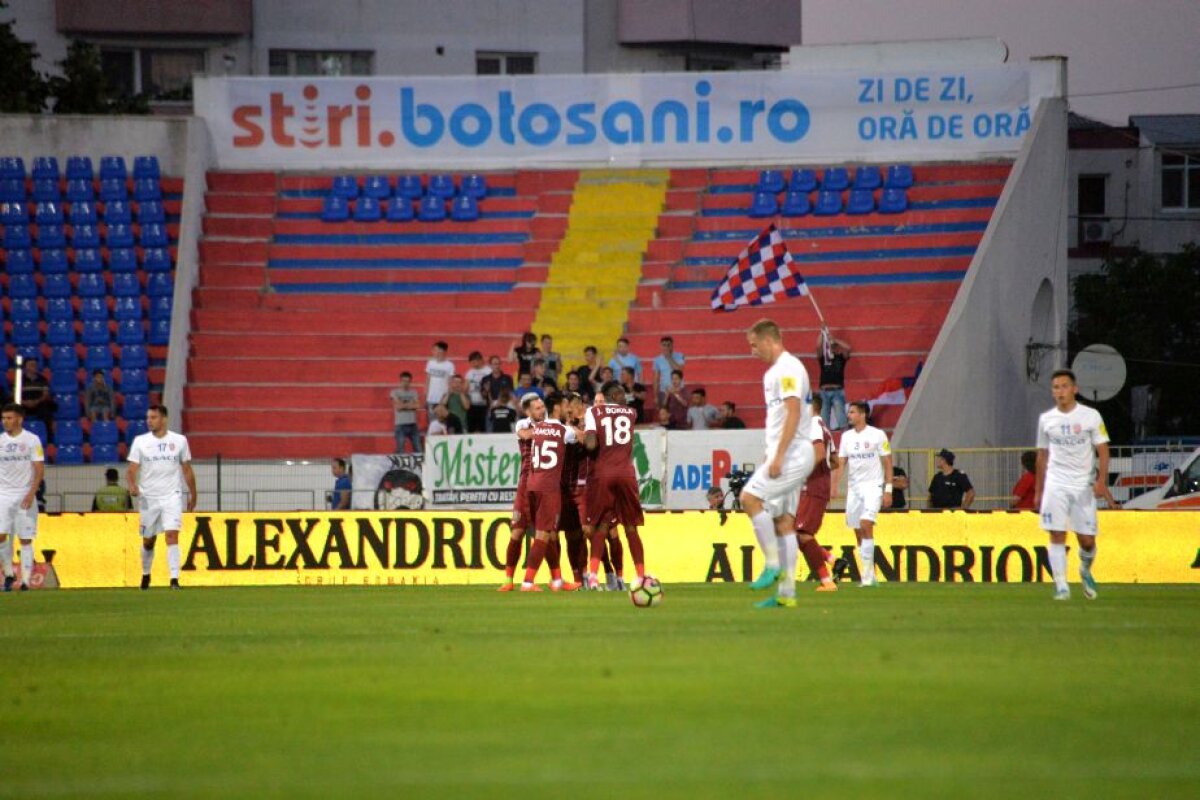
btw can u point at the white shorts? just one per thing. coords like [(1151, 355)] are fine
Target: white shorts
[(781, 495), (862, 503), (1066, 509), (160, 514), (20, 522)]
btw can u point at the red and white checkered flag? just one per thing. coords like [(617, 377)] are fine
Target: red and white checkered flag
[(762, 272)]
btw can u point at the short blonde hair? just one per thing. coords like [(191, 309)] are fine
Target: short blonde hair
[(766, 329)]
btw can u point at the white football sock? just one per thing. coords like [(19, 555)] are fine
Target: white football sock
[(6, 553), (764, 531), (789, 550), (1086, 557), (26, 562), (866, 551), (147, 560), (173, 560), (1058, 565)]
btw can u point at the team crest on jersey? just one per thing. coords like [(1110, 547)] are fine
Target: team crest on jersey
[(1076, 428), (21, 448), (172, 446)]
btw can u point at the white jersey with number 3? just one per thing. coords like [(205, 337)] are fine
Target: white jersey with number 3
[(1070, 438), (864, 451), (160, 460), (786, 378)]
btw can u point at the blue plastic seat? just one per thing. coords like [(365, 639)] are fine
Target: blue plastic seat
[(58, 309), (134, 410), (862, 201), (160, 307), (130, 332), (12, 189), (80, 191), (867, 177), (134, 356), (97, 356), (104, 432), (113, 190), (69, 432), (409, 187), (58, 285), (366, 209), (51, 236), (91, 284), (14, 212), (118, 212), (376, 186), (764, 204), (899, 176), (25, 332), (335, 209), (796, 204), (45, 168), (79, 168), (835, 179), (19, 262), (802, 180), (160, 284), (127, 308), (112, 167), (147, 189), (93, 309), (399, 209), (16, 237), (22, 286), (66, 406), (38, 429), (48, 213), (120, 259), (146, 167), (160, 331), (24, 309), (156, 259), (12, 168), (433, 208), (105, 454), (65, 381), (441, 186), (54, 261), (63, 358), (82, 213), (68, 454), (120, 235), (134, 381), (893, 201), (474, 185), (45, 190), (83, 236), (60, 333), (87, 259), (829, 203), (125, 284), (770, 180), (151, 211), (154, 235), (29, 352), (345, 186), (464, 208), (95, 334)]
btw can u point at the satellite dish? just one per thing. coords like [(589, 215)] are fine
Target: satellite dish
[(1099, 372)]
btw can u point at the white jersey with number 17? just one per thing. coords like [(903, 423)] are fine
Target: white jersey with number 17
[(160, 460)]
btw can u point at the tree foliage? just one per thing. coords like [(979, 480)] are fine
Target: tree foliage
[(23, 90), (1147, 307), (83, 89)]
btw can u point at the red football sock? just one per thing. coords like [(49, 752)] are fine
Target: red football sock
[(512, 555), (814, 555), (536, 553), (636, 551), (616, 551)]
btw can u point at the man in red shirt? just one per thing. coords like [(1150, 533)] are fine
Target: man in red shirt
[(815, 499), (612, 486)]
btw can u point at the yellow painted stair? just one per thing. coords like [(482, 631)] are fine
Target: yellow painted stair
[(593, 277)]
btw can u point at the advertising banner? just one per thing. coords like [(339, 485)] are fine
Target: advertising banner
[(429, 548), (487, 122), (699, 460)]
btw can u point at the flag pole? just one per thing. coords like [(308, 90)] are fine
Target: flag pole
[(778, 225)]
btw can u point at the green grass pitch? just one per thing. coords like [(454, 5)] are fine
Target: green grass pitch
[(902, 691)]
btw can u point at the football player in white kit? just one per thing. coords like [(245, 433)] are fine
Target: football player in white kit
[(157, 461), (771, 495), (22, 464), (1072, 471), (867, 456)]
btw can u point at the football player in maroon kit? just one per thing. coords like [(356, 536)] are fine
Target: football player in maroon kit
[(612, 486), (520, 518), (575, 476), (814, 500)]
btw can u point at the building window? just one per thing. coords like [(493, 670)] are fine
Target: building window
[(327, 63), (163, 75), (1091, 195), (505, 63), (1181, 180)]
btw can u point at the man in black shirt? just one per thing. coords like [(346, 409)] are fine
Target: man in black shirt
[(832, 355), (899, 485), (729, 418), (949, 487)]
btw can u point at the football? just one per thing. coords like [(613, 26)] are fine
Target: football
[(649, 593)]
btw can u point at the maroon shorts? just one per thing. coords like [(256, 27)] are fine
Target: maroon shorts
[(544, 508), (614, 499), (810, 513)]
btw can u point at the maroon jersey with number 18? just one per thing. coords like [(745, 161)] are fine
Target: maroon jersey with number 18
[(612, 484)]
